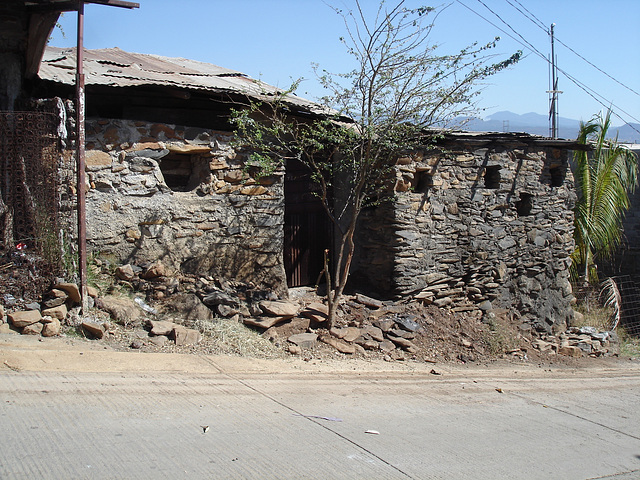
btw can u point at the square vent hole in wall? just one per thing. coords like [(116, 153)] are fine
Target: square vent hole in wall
[(524, 205), (557, 176), (492, 177), (422, 181), (182, 172)]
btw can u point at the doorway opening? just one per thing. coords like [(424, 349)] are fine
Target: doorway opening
[(307, 229)]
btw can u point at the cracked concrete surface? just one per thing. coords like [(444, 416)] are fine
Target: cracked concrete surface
[(71, 409)]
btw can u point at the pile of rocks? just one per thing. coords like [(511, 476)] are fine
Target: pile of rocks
[(579, 342), (384, 330), (45, 317), (161, 331)]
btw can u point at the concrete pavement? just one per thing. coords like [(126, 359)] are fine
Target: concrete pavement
[(75, 410)]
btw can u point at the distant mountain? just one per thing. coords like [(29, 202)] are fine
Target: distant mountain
[(628, 133), (537, 124)]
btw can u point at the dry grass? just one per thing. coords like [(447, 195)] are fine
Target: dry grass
[(233, 338), (593, 316), (502, 335), (629, 345)]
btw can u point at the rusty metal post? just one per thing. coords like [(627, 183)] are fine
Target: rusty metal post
[(80, 146)]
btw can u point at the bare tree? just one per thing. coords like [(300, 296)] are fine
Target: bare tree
[(400, 85)]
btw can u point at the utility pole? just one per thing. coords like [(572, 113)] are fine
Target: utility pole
[(553, 91), (80, 140)]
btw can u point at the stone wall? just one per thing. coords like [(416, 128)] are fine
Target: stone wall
[(481, 220), (183, 196)]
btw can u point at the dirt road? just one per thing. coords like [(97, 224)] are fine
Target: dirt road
[(72, 409)]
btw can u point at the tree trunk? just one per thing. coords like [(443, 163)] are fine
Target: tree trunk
[(6, 224)]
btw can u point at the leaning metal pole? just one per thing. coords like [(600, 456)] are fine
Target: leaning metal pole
[(80, 141)]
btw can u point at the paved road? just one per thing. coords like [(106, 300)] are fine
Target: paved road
[(75, 411)]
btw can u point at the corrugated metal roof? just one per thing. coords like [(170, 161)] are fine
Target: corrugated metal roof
[(116, 68)]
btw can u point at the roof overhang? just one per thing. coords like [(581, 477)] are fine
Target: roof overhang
[(43, 15), (43, 6)]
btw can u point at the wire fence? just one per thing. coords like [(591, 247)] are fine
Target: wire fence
[(596, 312), (29, 187)]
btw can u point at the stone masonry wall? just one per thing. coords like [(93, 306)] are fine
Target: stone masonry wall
[(183, 196), (474, 225)]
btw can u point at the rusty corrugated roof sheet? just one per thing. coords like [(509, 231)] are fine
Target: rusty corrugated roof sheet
[(116, 68)]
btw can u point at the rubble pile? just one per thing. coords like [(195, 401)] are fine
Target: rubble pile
[(45, 317), (579, 342), (180, 306)]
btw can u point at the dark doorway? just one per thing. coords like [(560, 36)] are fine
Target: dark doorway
[(307, 229)]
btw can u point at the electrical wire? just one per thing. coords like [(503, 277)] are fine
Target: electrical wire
[(538, 23), (596, 67), (535, 20), (592, 93)]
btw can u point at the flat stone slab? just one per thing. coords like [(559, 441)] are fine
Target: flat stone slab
[(570, 351), (316, 312), (374, 332), (161, 327), (33, 329), (186, 336), (408, 323), (387, 346), (220, 298), (368, 301), (264, 322), (279, 308), (304, 340), (339, 345), (59, 312), (122, 310), (22, 319), (94, 329), (348, 334), (55, 297), (405, 344), (71, 289), (368, 344)]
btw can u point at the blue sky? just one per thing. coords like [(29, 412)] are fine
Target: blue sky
[(278, 40)]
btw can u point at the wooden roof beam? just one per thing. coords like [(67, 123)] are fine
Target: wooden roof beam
[(72, 5)]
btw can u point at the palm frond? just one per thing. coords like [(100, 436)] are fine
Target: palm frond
[(612, 298), (603, 179)]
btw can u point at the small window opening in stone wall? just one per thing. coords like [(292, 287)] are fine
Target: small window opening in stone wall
[(524, 205), (182, 172), (557, 176), (422, 182), (492, 177)]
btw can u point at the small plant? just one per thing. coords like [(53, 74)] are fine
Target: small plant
[(501, 336), (629, 345)]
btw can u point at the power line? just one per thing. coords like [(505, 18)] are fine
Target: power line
[(592, 93), (538, 23), (597, 68), (531, 47), (512, 29), (535, 20)]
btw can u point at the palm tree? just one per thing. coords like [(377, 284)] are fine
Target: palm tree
[(604, 178)]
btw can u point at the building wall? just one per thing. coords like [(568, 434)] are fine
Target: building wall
[(183, 196), (477, 221)]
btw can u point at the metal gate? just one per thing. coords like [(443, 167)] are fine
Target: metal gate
[(29, 155)]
